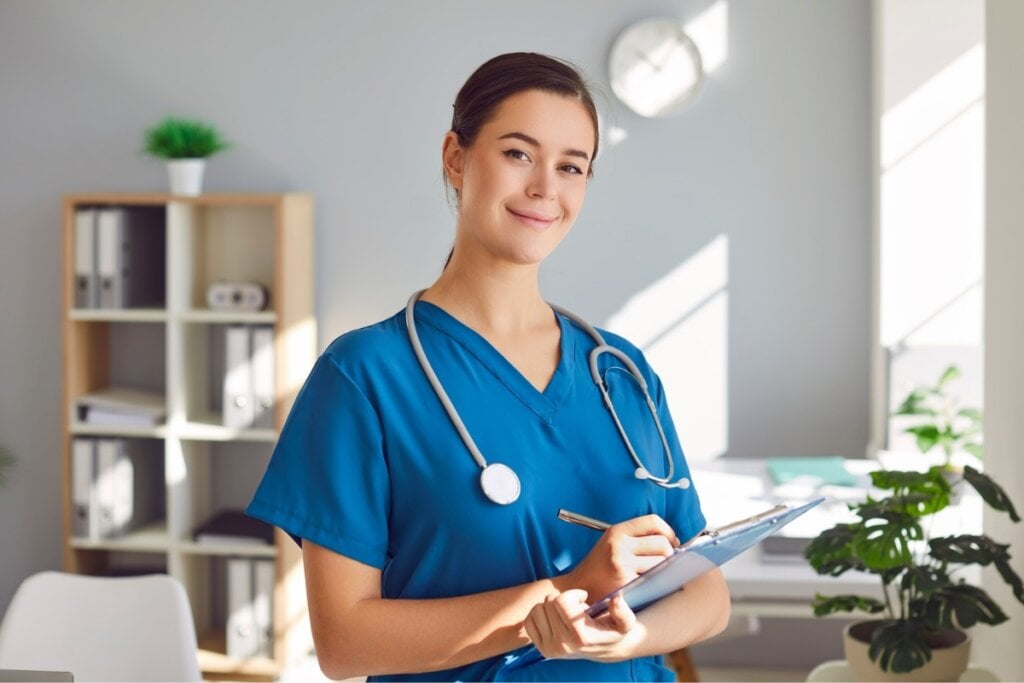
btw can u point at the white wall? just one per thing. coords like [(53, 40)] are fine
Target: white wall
[(1000, 647), (350, 100)]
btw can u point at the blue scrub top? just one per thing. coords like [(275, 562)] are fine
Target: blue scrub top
[(369, 465)]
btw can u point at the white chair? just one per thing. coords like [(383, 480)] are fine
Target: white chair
[(101, 629)]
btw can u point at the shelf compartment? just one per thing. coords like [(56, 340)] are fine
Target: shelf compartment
[(220, 242), (203, 366), (128, 354)]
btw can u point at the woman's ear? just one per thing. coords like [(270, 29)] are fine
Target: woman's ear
[(452, 158)]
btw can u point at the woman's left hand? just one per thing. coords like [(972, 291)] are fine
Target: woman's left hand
[(561, 629)]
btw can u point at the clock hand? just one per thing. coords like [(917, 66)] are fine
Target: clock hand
[(647, 60)]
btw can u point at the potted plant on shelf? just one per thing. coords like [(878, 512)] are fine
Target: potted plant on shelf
[(926, 608), (185, 144), (944, 422)]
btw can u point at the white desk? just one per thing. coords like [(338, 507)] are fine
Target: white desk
[(733, 488)]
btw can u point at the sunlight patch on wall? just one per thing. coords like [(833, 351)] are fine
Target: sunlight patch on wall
[(681, 324), (710, 31), (931, 206)]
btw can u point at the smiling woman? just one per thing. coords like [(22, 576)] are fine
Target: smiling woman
[(426, 561)]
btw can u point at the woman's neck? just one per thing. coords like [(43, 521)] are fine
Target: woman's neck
[(501, 298)]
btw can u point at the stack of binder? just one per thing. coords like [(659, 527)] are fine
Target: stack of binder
[(249, 377), (250, 590), (119, 257), (120, 407), (117, 487)]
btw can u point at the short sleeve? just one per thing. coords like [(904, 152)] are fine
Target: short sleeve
[(327, 480), (684, 514)]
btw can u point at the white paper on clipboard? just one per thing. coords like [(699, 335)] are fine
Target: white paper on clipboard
[(711, 549)]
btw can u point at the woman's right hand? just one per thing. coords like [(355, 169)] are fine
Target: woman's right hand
[(623, 552)]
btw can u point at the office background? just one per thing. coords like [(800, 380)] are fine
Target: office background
[(350, 100)]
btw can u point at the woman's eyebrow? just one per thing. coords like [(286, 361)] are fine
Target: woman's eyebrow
[(533, 141)]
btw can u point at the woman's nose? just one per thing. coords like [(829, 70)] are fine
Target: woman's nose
[(542, 184)]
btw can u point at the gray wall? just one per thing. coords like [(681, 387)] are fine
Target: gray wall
[(350, 100)]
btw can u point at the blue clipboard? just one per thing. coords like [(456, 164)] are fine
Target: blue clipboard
[(709, 549)]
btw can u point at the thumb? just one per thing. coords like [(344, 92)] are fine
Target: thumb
[(620, 616)]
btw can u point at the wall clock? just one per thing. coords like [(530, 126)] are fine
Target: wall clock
[(655, 68)]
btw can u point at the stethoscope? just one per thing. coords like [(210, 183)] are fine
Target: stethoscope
[(499, 481)]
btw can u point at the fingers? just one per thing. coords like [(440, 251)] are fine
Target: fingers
[(652, 545), (649, 525), (550, 623)]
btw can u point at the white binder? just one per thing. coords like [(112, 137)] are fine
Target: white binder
[(86, 281), (262, 600), (238, 400), (137, 483), (106, 460), (85, 518), (263, 377), (130, 262), (241, 638), (109, 236)]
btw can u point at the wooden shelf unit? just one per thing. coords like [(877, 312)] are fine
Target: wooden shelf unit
[(267, 238)]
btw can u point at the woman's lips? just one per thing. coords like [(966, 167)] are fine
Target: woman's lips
[(534, 219)]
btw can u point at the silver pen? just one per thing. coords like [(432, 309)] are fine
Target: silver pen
[(582, 520)]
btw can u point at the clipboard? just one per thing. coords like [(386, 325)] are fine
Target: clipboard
[(709, 549)]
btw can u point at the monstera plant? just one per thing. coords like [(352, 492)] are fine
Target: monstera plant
[(925, 606)]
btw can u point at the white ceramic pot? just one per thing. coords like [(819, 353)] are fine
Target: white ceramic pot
[(186, 176), (950, 652)]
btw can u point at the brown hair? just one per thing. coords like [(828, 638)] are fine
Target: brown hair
[(500, 77)]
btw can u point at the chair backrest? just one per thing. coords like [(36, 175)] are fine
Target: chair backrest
[(101, 629)]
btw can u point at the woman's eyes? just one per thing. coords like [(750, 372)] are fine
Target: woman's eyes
[(517, 154), (520, 155)]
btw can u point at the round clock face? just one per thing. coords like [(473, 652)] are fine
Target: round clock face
[(655, 68)]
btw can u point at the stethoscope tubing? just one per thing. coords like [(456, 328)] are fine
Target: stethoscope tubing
[(601, 347)]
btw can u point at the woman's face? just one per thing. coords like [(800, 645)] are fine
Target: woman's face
[(521, 183)]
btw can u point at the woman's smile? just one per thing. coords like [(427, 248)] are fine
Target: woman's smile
[(533, 219)]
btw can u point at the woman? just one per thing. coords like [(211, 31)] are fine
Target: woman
[(431, 554)]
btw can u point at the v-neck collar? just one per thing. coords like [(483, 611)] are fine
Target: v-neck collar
[(544, 403)]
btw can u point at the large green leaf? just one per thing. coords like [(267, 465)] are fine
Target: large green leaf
[(845, 603), (961, 606), (991, 492), (913, 482), (924, 580), (1011, 577), (831, 552), (967, 549), (900, 646), (883, 545)]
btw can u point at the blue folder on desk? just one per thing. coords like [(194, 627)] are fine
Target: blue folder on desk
[(708, 550), (827, 469)]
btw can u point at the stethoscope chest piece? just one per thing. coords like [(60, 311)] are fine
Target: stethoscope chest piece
[(500, 483)]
